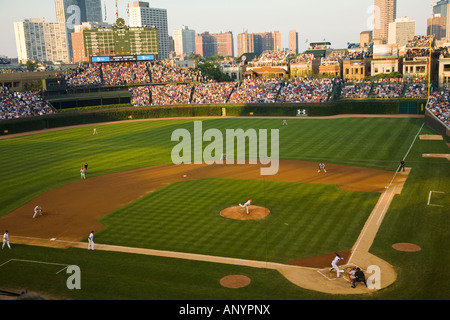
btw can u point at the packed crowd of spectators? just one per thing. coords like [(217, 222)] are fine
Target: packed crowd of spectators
[(416, 90), (413, 53), (256, 91), (120, 73), (357, 55), (140, 96), (334, 57), (171, 94), (87, 75), (306, 90), (165, 72), (22, 104), (357, 89), (302, 58), (439, 105), (272, 58), (388, 90), (212, 92), (419, 41)]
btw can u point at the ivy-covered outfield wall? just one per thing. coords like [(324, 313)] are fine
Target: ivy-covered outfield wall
[(99, 114)]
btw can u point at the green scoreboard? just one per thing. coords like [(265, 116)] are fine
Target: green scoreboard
[(120, 40)]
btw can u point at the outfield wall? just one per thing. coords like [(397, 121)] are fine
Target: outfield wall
[(127, 112)]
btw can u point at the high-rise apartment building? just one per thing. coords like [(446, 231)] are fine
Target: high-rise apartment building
[(205, 45), (184, 41), (74, 12), (245, 43), (438, 26), (39, 40), (220, 44), (258, 42), (439, 20), (293, 42), (224, 44), (400, 31), (441, 7), (385, 13), (141, 14)]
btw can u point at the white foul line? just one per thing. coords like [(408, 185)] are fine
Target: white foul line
[(429, 198), (41, 262)]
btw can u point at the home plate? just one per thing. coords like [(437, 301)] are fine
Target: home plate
[(52, 239)]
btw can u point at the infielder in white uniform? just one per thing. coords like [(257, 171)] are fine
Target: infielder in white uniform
[(91, 241), (322, 166), (334, 265), (6, 240), (37, 210), (246, 205)]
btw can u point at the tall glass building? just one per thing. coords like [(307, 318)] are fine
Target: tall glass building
[(141, 14), (75, 12)]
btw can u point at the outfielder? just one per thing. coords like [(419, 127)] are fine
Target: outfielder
[(246, 205), (322, 166), (83, 173), (91, 241), (6, 240), (334, 266)]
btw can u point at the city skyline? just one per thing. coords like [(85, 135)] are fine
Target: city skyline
[(343, 23)]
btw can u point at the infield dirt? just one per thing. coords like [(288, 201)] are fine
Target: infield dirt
[(71, 211)]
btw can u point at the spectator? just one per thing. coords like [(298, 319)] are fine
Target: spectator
[(439, 105), (306, 90), (22, 104)]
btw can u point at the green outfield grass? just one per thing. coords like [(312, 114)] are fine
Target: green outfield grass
[(37, 163), (305, 220)]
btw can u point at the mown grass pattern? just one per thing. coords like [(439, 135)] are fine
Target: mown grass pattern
[(305, 219), (37, 163)]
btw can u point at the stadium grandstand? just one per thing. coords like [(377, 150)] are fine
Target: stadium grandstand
[(160, 83)]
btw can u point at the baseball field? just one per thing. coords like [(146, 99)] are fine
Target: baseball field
[(176, 232)]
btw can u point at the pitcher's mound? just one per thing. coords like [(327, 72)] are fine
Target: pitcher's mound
[(239, 213), (407, 247)]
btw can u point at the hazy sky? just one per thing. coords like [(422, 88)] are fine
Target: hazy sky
[(336, 21)]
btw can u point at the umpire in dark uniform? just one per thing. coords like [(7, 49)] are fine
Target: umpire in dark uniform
[(402, 165), (359, 277)]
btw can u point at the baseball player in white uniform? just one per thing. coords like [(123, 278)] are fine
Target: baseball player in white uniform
[(334, 266), (91, 241), (83, 173), (37, 210), (322, 167), (246, 205), (6, 240)]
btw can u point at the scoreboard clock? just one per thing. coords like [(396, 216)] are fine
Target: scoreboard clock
[(120, 23)]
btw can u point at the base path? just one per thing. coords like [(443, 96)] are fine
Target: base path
[(71, 211)]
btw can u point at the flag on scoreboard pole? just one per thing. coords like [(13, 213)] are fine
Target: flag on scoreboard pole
[(117, 10), (105, 12)]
